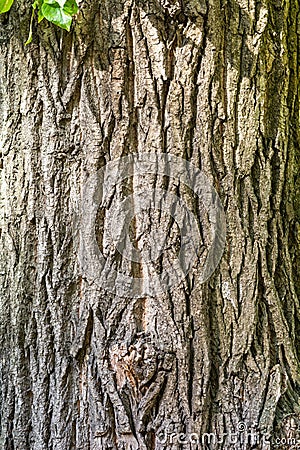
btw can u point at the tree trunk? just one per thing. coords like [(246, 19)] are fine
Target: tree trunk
[(199, 365)]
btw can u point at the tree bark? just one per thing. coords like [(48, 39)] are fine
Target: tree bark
[(215, 83)]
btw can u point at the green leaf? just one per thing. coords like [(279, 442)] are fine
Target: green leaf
[(60, 13), (60, 2), (71, 7), (38, 4), (29, 40), (40, 16), (5, 5), (55, 14)]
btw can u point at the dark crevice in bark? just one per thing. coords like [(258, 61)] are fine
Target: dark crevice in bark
[(83, 351)]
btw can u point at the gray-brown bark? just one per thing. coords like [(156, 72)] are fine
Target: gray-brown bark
[(214, 83)]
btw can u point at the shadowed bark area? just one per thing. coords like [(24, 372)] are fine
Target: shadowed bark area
[(212, 82)]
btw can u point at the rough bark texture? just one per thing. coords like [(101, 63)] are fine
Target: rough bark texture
[(215, 83)]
